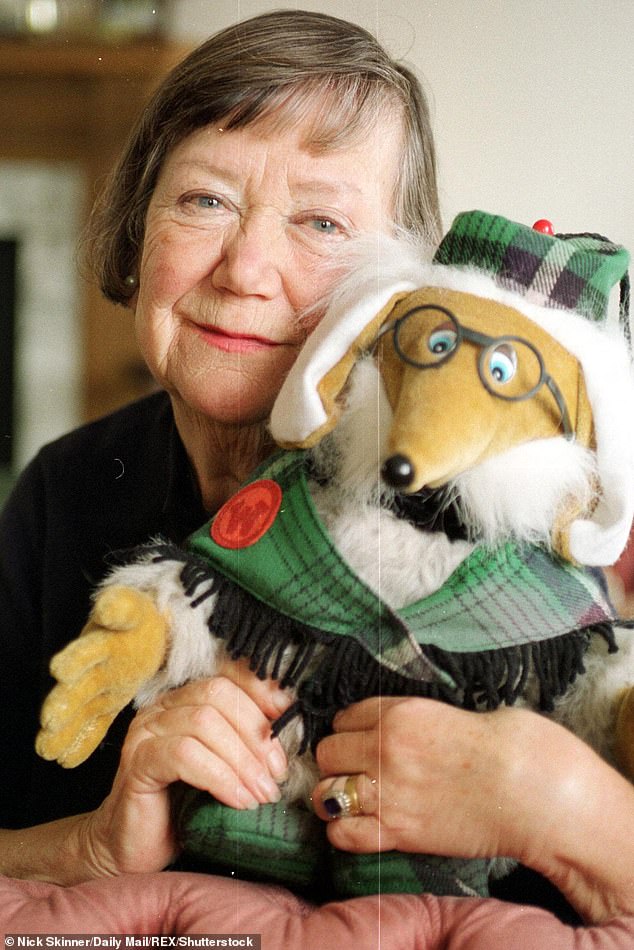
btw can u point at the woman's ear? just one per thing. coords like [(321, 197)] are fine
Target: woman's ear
[(307, 407)]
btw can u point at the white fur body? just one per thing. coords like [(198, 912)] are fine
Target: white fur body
[(402, 563)]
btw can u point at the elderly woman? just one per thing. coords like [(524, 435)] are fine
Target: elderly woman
[(261, 156)]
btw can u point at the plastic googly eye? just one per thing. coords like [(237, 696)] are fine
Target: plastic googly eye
[(502, 363), (442, 340)]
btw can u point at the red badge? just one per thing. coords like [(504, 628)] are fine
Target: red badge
[(248, 515)]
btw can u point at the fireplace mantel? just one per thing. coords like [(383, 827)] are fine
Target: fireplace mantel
[(76, 103)]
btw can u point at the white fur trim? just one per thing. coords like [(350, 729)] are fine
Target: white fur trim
[(519, 493), (353, 452), (589, 707), (193, 651)]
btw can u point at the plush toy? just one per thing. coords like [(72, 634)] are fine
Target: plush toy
[(494, 397)]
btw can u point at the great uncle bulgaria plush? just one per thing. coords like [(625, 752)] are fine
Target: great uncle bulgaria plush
[(495, 398)]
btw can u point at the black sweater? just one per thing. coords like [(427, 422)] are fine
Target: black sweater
[(107, 486)]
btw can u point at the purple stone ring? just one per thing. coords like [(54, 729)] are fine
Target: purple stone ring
[(341, 800)]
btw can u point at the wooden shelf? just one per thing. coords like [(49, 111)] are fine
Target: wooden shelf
[(85, 60), (73, 102)]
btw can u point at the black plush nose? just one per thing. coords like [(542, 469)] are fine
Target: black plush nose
[(398, 471)]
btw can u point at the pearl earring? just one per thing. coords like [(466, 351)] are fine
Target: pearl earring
[(131, 282)]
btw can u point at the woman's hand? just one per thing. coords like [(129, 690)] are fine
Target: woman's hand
[(511, 783), (431, 778), (213, 734)]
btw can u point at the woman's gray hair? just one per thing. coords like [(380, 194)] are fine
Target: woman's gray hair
[(277, 67)]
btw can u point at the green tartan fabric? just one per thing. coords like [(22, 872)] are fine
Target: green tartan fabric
[(498, 598), (287, 844), (394, 872), (575, 273), (295, 569), (505, 602), (506, 597), (283, 842)]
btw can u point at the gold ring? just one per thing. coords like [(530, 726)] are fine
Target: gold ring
[(350, 789), (342, 798)]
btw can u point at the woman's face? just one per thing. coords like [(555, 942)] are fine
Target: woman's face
[(244, 232)]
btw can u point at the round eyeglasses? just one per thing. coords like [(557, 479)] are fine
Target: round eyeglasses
[(509, 367)]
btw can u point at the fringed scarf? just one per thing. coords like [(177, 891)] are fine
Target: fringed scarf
[(504, 613)]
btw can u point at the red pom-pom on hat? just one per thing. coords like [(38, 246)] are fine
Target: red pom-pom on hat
[(544, 226)]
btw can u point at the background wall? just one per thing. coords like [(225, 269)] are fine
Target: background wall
[(532, 100)]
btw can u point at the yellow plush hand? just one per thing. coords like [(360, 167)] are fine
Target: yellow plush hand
[(624, 737), (122, 645)]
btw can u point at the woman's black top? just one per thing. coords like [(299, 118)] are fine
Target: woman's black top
[(101, 489)]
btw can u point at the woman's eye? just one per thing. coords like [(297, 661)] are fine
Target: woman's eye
[(503, 363), (324, 225), (442, 340), (207, 202), (201, 201)]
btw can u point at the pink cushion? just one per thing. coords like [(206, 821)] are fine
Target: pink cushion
[(180, 904)]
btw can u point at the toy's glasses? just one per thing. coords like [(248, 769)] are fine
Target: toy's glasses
[(509, 367)]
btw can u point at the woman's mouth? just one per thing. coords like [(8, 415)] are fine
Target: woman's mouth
[(231, 342)]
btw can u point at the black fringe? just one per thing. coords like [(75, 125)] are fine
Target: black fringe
[(330, 672)]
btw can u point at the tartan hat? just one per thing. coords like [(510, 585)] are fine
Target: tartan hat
[(575, 272)]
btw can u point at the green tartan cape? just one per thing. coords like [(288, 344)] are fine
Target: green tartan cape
[(504, 613), (513, 602)]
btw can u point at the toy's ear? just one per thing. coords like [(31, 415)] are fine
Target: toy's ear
[(307, 405), (574, 508), (599, 537)]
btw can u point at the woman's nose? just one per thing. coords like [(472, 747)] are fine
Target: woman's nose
[(251, 261)]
